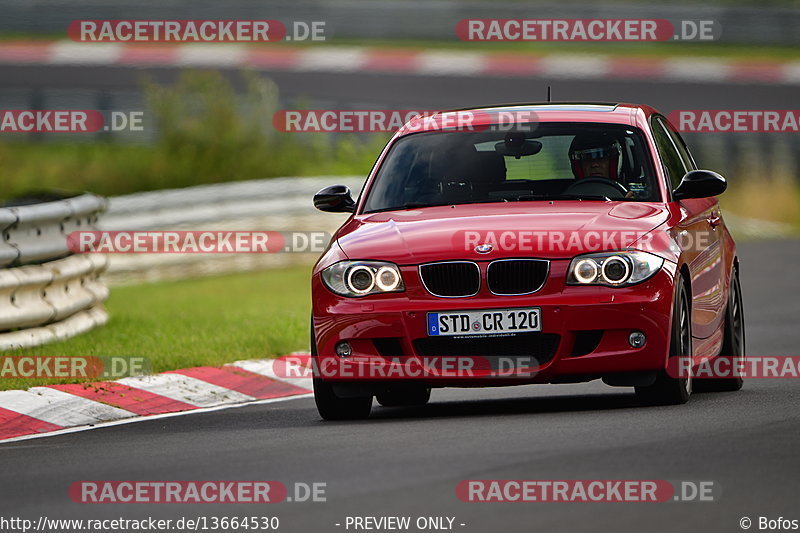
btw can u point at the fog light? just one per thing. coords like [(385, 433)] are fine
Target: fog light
[(637, 339), (343, 349)]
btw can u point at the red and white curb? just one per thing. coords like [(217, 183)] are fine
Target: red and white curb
[(401, 61), (64, 408)]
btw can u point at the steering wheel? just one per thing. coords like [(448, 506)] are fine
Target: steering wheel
[(578, 184)]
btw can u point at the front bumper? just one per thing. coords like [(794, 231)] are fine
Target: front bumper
[(584, 332)]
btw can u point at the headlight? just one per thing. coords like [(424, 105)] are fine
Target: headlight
[(614, 269), (360, 278)]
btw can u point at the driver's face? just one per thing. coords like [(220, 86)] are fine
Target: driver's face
[(596, 167)]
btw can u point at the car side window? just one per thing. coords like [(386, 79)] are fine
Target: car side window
[(677, 140), (673, 163)]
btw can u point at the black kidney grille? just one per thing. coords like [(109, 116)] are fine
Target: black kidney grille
[(517, 276), (451, 279)]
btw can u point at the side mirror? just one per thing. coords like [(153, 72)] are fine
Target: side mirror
[(335, 199), (700, 184)]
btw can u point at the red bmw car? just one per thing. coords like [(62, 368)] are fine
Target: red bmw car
[(541, 243)]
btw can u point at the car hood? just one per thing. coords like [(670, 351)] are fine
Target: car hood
[(557, 229)]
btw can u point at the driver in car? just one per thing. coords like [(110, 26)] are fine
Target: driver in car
[(596, 155)]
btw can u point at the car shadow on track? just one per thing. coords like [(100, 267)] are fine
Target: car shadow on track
[(509, 406), (519, 406), (304, 414)]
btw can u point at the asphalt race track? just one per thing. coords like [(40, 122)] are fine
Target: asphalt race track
[(408, 461)]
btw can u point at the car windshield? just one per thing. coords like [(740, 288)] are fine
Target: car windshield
[(551, 161)]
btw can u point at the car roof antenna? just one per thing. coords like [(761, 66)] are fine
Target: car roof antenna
[(548, 94)]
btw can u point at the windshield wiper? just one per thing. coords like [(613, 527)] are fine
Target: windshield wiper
[(596, 197), (414, 205), (418, 205)]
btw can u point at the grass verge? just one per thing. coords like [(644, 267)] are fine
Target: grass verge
[(208, 321), (772, 201)]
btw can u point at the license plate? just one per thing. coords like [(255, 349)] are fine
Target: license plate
[(487, 322)]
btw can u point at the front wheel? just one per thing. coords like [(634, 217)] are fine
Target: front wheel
[(668, 390), (732, 343), (329, 405), (332, 407)]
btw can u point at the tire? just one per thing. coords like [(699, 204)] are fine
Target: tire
[(405, 397), (668, 390), (332, 407), (733, 342)]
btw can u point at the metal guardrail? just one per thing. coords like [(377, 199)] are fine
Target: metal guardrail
[(38, 232), (46, 293), (170, 208), (276, 204)]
